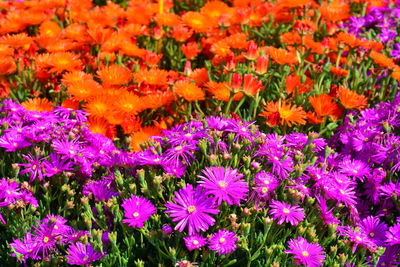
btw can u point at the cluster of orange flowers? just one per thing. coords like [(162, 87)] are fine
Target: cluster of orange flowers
[(132, 67)]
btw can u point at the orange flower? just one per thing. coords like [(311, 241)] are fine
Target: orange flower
[(49, 29), (215, 10), (324, 106), (167, 19), (7, 65), (99, 106), (200, 76), (251, 86), (84, 89), (198, 22), (181, 33), (339, 71), (382, 60), (38, 104), (282, 56), (114, 75), (17, 40), (221, 91), (294, 3), (189, 91), (276, 112), (4, 87), (153, 76), (336, 10), (221, 48), (101, 126), (347, 38), (70, 103), (131, 124), (191, 50), (291, 38), (293, 80), (63, 61), (129, 104), (157, 99), (314, 118), (75, 76), (396, 74), (351, 99), (237, 41), (142, 136)]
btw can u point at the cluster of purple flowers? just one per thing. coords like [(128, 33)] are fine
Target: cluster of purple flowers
[(43, 240), (217, 165), (13, 194), (380, 22)]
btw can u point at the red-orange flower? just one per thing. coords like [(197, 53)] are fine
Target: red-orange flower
[(142, 136), (114, 75), (38, 104), (293, 80), (324, 106), (189, 91), (283, 113), (350, 99)]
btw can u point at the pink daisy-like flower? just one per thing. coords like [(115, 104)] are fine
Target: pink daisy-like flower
[(224, 185), (195, 241), (305, 253), (80, 254), (137, 210), (286, 213), (192, 209), (223, 242)]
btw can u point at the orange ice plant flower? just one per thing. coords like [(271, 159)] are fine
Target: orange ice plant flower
[(382, 60), (283, 113), (38, 104), (189, 91), (64, 61), (221, 91), (324, 106), (114, 75), (142, 136), (336, 10), (350, 99)]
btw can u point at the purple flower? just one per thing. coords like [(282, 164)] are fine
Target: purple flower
[(390, 257), (357, 237), (56, 165), (354, 168), (308, 254), (265, 184), (326, 214), (34, 167), (138, 210), (224, 185), (393, 235), (195, 241), (375, 229), (68, 149), (101, 190), (80, 254), (24, 249), (223, 242), (286, 212), (12, 142), (192, 209)]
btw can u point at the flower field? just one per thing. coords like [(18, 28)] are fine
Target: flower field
[(200, 133)]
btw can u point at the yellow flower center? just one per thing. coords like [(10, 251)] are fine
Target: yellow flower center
[(178, 148), (358, 238), (195, 242), (286, 211), (222, 184), (222, 240), (191, 208), (305, 253), (135, 214), (371, 234), (45, 239)]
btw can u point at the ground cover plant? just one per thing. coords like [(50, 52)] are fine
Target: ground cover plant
[(226, 133)]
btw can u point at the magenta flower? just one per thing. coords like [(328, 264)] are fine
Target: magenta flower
[(192, 209), (195, 241), (305, 253), (137, 210), (393, 235), (224, 185), (80, 254), (286, 213), (223, 242)]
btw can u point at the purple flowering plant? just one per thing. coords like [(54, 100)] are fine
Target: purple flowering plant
[(223, 197)]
